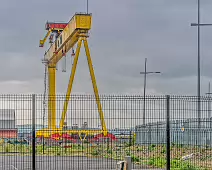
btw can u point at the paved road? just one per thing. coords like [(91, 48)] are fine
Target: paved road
[(57, 163)]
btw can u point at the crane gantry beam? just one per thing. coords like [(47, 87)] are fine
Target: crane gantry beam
[(79, 25), (75, 32)]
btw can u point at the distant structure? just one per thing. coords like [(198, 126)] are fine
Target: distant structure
[(74, 126), (8, 124), (184, 132), (25, 130), (85, 125)]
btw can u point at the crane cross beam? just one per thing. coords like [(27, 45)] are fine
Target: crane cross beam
[(78, 23)]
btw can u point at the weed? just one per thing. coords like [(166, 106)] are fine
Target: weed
[(109, 151), (151, 147), (175, 164), (163, 150), (157, 162), (135, 158), (95, 152), (128, 153)]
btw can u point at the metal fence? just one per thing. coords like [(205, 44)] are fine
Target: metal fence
[(185, 127), (172, 134)]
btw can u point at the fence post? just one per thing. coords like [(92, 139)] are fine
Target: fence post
[(33, 132), (128, 160), (168, 132)]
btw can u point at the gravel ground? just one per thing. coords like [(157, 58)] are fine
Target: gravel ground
[(57, 163)]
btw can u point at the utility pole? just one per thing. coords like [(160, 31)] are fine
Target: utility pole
[(145, 74), (198, 24)]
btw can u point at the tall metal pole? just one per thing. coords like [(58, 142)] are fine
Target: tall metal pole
[(87, 6), (198, 83), (145, 74), (144, 91)]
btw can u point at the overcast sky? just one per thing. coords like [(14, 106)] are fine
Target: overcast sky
[(123, 33)]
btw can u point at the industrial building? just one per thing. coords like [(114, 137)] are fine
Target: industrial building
[(25, 130), (8, 124), (184, 132)]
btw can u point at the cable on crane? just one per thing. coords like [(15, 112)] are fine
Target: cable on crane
[(72, 56), (64, 63)]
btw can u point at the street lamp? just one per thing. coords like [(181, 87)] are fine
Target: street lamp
[(145, 73), (198, 61), (198, 24)]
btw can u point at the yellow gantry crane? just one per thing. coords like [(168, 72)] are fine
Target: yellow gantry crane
[(75, 32)]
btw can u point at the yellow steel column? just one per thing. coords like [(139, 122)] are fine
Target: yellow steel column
[(90, 65), (52, 97), (71, 79)]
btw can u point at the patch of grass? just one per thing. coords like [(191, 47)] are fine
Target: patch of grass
[(7, 149), (128, 153), (157, 162), (135, 158), (140, 149), (163, 151), (40, 148), (109, 151), (152, 147), (175, 164), (95, 152)]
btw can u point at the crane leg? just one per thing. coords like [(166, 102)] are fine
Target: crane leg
[(70, 83), (90, 65), (52, 97)]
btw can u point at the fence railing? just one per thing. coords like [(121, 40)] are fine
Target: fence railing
[(173, 135)]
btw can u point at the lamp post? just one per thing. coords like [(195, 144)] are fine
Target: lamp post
[(145, 73), (198, 24)]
